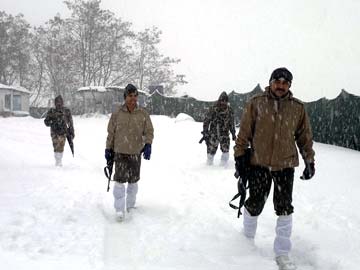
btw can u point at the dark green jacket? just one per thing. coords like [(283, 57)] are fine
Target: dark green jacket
[(219, 121), (60, 121)]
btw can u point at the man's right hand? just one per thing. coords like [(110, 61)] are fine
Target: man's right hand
[(109, 155), (240, 166), (206, 135)]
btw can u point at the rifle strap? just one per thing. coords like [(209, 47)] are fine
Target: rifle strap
[(237, 207)]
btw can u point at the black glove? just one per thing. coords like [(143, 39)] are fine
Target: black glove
[(109, 155), (240, 166), (309, 171), (206, 135), (50, 118)]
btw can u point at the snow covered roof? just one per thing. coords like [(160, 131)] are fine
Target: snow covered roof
[(106, 89), (115, 87), (143, 92), (122, 88), (15, 87), (93, 88)]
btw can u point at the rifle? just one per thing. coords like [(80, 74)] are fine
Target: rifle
[(108, 172), (70, 140), (242, 184), (69, 134)]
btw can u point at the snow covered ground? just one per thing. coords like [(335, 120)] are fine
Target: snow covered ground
[(62, 218)]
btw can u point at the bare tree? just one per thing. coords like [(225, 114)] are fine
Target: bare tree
[(55, 57), (15, 49), (153, 67), (90, 48), (100, 41)]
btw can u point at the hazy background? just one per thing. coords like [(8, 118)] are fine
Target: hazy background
[(235, 44)]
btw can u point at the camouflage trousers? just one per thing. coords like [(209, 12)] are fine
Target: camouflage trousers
[(58, 142), (214, 141), (127, 168)]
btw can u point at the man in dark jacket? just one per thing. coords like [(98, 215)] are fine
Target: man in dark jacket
[(217, 123), (60, 121), (272, 124)]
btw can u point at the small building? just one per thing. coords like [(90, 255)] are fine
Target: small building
[(92, 99), (118, 93), (14, 100), (101, 99)]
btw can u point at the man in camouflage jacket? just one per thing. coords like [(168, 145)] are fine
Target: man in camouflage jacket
[(272, 124), (130, 133), (60, 121), (218, 122)]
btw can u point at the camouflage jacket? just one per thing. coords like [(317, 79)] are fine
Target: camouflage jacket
[(60, 121), (219, 121), (129, 131), (273, 127)]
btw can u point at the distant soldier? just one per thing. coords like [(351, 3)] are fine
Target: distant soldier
[(218, 122), (60, 121), (130, 133)]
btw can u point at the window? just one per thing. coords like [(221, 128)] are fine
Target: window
[(16, 103), (8, 102)]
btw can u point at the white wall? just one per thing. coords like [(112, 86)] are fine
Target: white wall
[(25, 99)]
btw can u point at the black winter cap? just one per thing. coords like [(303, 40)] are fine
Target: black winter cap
[(129, 89), (223, 97), (281, 73), (59, 99)]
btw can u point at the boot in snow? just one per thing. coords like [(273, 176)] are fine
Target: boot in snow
[(224, 159), (210, 159), (285, 263), (120, 216), (58, 158)]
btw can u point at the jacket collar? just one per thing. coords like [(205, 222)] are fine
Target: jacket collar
[(125, 109)]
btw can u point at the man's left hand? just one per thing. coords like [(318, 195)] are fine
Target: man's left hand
[(309, 171), (147, 151)]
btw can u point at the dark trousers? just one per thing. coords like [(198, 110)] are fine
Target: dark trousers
[(260, 180), (127, 168)]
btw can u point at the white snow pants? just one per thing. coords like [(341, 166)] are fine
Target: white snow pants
[(119, 196), (282, 243)]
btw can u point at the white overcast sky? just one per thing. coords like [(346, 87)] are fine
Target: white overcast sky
[(229, 45)]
